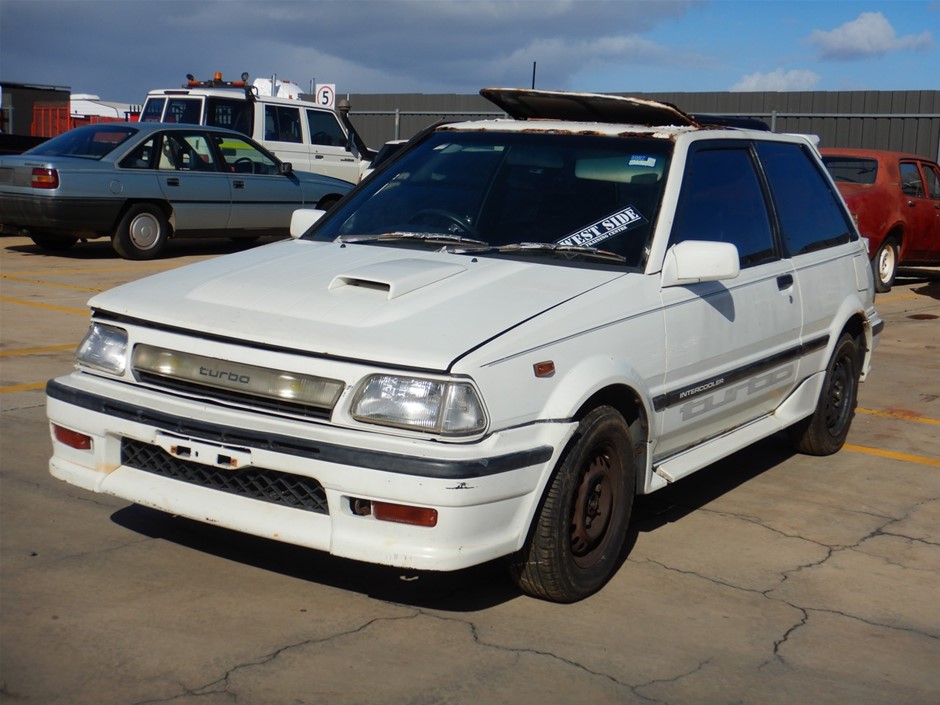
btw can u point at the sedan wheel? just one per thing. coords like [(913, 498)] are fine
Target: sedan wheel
[(142, 233)]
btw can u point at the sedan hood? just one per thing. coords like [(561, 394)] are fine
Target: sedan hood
[(373, 303)]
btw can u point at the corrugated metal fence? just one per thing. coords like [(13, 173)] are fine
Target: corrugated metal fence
[(905, 121)]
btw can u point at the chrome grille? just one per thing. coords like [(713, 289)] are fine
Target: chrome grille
[(284, 489)]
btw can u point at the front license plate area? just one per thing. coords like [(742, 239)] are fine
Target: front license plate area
[(196, 451)]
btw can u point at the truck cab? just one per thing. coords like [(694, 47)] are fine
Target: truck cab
[(311, 137)]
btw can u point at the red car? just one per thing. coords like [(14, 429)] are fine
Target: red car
[(895, 198)]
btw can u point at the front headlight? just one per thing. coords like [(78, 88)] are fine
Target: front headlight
[(104, 348), (433, 406)]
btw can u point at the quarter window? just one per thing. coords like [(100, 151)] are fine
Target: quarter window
[(722, 201), (810, 214)]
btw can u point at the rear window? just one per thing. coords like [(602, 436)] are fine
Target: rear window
[(851, 170), (91, 142)]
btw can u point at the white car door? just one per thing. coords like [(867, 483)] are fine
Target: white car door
[(732, 347), (328, 147)]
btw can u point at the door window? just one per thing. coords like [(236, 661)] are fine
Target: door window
[(810, 214), (242, 157), (722, 201), (325, 129), (933, 180), (186, 152), (911, 184)]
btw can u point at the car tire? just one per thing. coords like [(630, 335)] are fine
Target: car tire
[(884, 265), (579, 533), (825, 431), (142, 233), (53, 243)]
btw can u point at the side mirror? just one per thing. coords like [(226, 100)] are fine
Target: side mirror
[(696, 261), (302, 219), (285, 168)]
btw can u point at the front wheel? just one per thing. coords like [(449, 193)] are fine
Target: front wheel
[(824, 432), (578, 536), (885, 265), (142, 233)]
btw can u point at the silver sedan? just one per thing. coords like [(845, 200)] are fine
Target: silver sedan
[(142, 183)]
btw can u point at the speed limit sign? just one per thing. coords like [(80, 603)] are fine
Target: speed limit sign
[(326, 95)]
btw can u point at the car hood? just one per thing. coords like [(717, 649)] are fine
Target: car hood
[(374, 303)]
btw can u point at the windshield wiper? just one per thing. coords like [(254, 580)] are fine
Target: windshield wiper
[(433, 238), (576, 250)]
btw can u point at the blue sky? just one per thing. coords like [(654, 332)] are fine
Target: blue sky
[(120, 49)]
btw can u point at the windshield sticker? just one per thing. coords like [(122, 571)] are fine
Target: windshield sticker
[(613, 224), (638, 160)]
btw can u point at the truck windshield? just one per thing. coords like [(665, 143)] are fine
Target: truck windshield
[(484, 191)]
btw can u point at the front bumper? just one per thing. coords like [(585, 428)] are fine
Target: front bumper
[(485, 493)]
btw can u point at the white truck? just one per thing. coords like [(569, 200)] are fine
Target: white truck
[(311, 137), (490, 346)]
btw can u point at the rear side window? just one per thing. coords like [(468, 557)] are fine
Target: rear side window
[(722, 201), (183, 110), (232, 114), (811, 217), (153, 110), (281, 124), (851, 170)]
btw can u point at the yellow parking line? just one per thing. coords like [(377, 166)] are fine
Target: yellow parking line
[(22, 352), (22, 387), (41, 282), (100, 270), (892, 455), (881, 298), (899, 414), (48, 307)]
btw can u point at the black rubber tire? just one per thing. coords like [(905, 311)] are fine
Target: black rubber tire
[(142, 233), (884, 265), (53, 243), (825, 431), (577, 538)]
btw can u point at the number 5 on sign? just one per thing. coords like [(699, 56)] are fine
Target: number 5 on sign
[(326, 95)]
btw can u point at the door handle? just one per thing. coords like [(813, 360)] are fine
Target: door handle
[(784, 281), (173, 181), (238, 184), (318, 156)]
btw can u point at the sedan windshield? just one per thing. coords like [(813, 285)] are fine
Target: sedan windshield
[(89, 142), (526, 194)]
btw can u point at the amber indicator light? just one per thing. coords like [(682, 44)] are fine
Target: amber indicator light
[(403, 514), (544, 369)]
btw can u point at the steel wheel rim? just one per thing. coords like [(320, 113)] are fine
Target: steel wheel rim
[(595, 503), (838, 398), (886, 264), (144, 231)]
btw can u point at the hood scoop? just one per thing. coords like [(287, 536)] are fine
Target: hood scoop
[(397, 277)]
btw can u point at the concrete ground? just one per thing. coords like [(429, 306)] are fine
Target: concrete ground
[(767, 578)]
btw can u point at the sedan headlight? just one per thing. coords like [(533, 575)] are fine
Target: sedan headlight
[(104, 348), (433, 406)]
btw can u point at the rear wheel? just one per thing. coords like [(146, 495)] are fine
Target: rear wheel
[(824, 432), (142, 233), (578, 536), (885, 265), (53, 243)]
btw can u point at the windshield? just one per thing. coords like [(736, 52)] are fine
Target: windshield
[(485, 191), (90, 142)]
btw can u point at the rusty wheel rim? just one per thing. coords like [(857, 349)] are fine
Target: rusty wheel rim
[(595, 503)]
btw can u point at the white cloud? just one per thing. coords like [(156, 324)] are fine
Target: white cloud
[(779, 80), (870, 34)]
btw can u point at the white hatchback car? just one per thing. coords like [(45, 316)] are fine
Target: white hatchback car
[(490, 346)]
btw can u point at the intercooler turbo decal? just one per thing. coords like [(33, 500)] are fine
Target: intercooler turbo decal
[(611, 225)]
